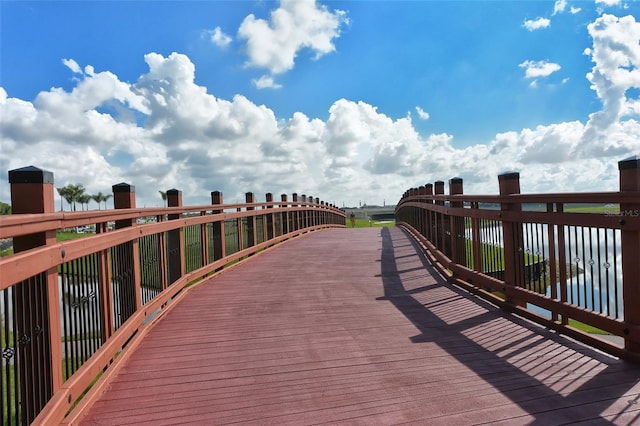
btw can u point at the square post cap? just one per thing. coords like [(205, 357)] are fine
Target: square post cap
[(631, 163), (123, 187), (30, 174), (509, 176)]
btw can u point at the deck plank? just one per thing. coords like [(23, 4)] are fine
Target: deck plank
[(354, 326)]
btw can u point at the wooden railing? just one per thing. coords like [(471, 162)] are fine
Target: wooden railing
[(563, 260), (71, 311)]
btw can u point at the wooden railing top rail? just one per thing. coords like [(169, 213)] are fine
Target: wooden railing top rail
[(539, 198), (24, 224), (23, 265)]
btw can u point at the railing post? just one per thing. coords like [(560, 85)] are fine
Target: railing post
[(512, 236), (438, 187), (251, 221), (126, 260), (284, 218), (219, 249), (430, 214), (36, 309), (422, 192), (175, 239), (270, 227), (476, 241), (630, 246), (295, 215), (304, 212), (457, 228)]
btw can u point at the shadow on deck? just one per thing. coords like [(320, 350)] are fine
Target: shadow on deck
[(359, 332)]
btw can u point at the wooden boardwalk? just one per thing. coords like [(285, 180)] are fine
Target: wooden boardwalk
[(357, 332)]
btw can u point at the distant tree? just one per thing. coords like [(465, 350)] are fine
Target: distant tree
[(65, 195), (163, 194), (97, 198), (71, 194), (84, 199), (4, 208), (106, 198), (100, 198)]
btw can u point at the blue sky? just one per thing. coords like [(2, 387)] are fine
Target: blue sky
[(362, 99)]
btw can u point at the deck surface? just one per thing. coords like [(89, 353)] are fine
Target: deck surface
[(352, 326)]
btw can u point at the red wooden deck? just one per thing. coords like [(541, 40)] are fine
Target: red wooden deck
[(360, 332)]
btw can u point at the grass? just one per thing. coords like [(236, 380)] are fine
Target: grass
[(365, 223), (6, 339), (586, 327), (60, 236), (66, 236), (613, 208)]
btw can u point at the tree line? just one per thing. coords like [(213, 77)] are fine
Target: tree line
[(73, 194)]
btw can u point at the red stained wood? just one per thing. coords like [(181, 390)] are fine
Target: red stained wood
[(353, 326)]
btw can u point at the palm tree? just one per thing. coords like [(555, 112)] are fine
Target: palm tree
[(105, 199), (76, 191), (66, 195), (71, 193), (100, 197), (163, 194), (84, 199)]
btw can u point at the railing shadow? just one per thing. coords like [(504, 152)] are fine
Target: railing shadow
[(548, 374)]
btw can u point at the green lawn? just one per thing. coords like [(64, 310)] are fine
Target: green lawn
[(611, 209), (60, 236), (365, 223)]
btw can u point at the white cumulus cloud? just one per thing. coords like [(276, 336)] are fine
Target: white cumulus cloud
[(219, 38), (536, 24), (616, 57), (295, 25), (559, 6), (422, 113), (537, 69), (266, 82), (72, 65)]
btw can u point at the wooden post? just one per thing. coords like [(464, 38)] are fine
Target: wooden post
[(284, 216), (630, 244), (270, 227), (422, 192), (429, 231), (219, 249), (476, 241), (295, 215), (251, 221), (512, 237), (304, 212), (125, 258), (440, 222), (457, 228), (175, 239), (36, 309)]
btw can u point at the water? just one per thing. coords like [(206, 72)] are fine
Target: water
[(594, 255)]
